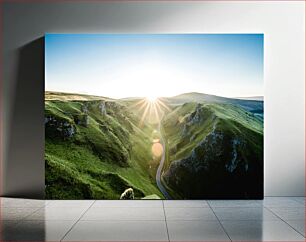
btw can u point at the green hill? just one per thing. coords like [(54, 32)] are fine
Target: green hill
[(94, 149), (253, 106), (214, 150), (97, 147)]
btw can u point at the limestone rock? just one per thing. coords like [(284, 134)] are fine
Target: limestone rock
[(128, 194)]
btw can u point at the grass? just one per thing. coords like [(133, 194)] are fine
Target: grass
[(103, 158), (91, 154), (184, 133), (221, 114)]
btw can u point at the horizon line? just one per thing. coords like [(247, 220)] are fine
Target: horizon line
[(86, 94)]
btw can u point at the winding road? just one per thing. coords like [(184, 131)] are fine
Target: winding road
[(160, 167)]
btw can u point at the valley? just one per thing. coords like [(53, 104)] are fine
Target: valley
[(197, 146)]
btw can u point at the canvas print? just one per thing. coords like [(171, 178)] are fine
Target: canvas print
[(154, 116)]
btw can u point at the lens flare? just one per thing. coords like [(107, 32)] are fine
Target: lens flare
[(157, 149)]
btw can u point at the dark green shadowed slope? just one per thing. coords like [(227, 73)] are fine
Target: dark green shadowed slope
[(215, 150)]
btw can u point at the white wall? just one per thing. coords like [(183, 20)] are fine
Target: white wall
[(283, 25)]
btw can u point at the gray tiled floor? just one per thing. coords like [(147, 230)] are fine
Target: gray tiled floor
[(243, 213), (274, 219)]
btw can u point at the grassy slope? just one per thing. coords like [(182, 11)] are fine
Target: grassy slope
[(250, 105), (101, 160), (232, 120), (229, 114), (113, 153)]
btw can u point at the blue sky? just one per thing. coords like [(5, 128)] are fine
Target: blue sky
[(146, 65)]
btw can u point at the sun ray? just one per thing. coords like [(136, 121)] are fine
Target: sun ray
[(163, 104), (143, 105), (156, 113), (159, 109), (144, 114), (150, 110), (141, 102)]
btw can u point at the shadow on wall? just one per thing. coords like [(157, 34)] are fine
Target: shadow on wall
[(25, 153), (28, 230)]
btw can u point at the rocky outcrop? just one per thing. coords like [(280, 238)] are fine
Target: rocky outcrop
[(128, 194), (81, 120), (84, 108), (196, 118), (199, 160), (231, 165), (112, 106), (56, 127), (102, 108), (215, 164)]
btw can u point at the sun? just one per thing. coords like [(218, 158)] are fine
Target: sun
[(152, 98), (151, 107)]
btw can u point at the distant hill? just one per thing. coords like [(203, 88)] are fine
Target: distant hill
[(256, 98), (201, 97), (253, 106), (63, 96)]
